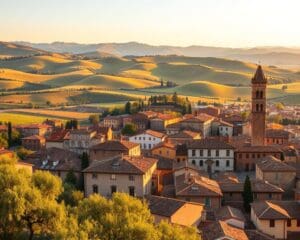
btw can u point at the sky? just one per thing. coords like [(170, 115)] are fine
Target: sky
[(226, 23)]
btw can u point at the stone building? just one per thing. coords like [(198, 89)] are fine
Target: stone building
[(211, 155), (276, 172), (129, 174)]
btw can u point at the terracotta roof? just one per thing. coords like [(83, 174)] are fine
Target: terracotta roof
[(196, 186), (155, 133), (228, 212), (58, 136), (259, 76), (226, 177), (233, 118), (222, 230), (209, 144), (272, 164), (55, 159), (37, 125), (115, 146), (34, 137), (164, 206), (258, 186), (202, 117), (277, 133), (185, 134), (122, 165), (5, 151), (276, 209), (164, 144), (258, 149)]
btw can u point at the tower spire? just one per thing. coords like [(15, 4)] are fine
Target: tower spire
[(259, 76)]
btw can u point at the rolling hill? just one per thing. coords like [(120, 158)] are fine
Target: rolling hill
[(42, 72), (267, 55)]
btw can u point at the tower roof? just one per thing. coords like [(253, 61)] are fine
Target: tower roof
[(259, 76)]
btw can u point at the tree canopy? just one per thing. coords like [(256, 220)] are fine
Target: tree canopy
[(35, 206)]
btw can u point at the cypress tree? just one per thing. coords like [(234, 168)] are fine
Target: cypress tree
[(247, 194), (9, 134), (128, 107)]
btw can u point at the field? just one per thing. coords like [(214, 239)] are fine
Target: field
[(53, 113), (17, 118), (44, 78)]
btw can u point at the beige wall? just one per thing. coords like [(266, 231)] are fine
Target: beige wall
[(55, 144), (141, 183), (264, 225)]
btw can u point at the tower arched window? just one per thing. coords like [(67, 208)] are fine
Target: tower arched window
[(261, 107), (261, 94), (257, 94), (257, 107)]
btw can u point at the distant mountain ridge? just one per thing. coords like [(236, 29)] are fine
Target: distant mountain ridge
[(266, 55)]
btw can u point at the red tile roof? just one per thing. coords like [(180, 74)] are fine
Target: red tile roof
[(122, 165)]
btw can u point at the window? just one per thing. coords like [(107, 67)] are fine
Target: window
[(258, 155), (217, 153), (193, 152), (201, 152), (131, 191), (253, 155), (94, 176), (289, 223), (207, 202), (145, 146), (113, 189), (227, 163), (113, 177), (178, 160), (95, 189), (131, 177), (270, 195), (140, 138), (150, 146), (240, 155), (247, 155), (144, 138), (217, 163), (257, 107), (227, 152), (272, 223), (201, 163), (208, 152), (193, 162), (298, 222), (261, 107)]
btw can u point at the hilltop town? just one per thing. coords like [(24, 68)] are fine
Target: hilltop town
[(228, 170)]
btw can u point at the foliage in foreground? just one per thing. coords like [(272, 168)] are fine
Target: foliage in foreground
[(30, 209)]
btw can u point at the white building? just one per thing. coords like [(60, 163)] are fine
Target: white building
[(211, 155), (148, 139)]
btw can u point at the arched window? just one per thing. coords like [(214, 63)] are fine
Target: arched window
[(217, 163), (261, 107), (201, 163), (257, 94), (261, 94), (257, 107)]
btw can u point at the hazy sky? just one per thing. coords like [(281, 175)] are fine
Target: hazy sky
[(234, 23)]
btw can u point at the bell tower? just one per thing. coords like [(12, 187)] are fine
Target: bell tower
[(258, 111)]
